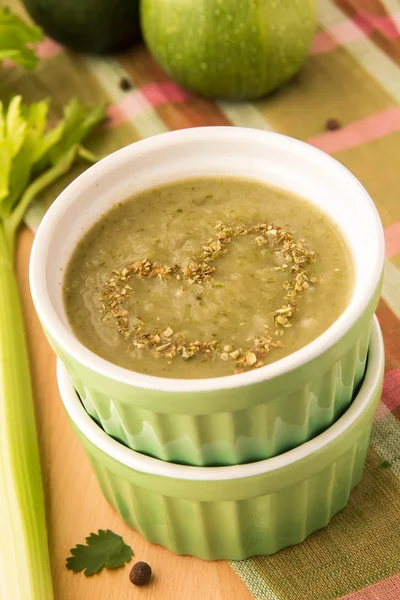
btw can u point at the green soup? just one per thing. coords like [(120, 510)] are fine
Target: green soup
[(207, 277)]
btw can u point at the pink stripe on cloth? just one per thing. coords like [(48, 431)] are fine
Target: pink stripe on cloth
[(361, 25), (323, 43), (49, 48), (369, 23), (7, 64), (381, 412), (148, 96), (396, 20), (359, 132), (389, 589), (128, 108), (392, 239), (340, 35), (163, 93), (45, 49), (391, 391)]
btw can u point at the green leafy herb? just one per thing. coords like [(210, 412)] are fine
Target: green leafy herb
[(105, 549), (32, 156), (17, 39)]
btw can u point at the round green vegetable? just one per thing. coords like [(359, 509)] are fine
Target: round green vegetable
[(229, 48), (97, 26)]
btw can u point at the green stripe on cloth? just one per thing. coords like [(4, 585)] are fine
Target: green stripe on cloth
[(244, 115), (387, 442), (248, 571), (390, 5), (365, 52), (375, 164), (359, 547), (109, 73), (330, 85)]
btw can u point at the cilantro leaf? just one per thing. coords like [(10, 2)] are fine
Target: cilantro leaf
[(105, 549), (16, 38)]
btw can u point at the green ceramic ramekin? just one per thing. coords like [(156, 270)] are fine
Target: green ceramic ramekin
[(225, 420), (240, 511)]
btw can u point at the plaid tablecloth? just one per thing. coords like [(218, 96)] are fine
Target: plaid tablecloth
[(353, 76)]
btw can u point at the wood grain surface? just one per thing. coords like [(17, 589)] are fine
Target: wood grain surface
[(75, 506)]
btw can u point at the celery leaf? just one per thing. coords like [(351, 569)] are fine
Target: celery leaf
[(29, 147), (17, 39)]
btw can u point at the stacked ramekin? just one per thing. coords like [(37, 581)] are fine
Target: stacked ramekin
[(238, 465)]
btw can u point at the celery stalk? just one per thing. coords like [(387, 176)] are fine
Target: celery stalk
[(25, 567), (31, 158)]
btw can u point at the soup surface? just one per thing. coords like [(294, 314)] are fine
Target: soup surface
[(206, 277)]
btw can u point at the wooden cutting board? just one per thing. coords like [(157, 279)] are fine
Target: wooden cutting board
[(75, 506)]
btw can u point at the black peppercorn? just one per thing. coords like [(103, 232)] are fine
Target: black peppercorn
[(332, 125), (140, 573), (125, 84)]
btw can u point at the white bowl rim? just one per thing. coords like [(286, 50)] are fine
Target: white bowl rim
[(65, 338), (146, 464)]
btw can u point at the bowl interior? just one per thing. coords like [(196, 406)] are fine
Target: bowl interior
[(223, 151)]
